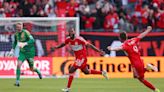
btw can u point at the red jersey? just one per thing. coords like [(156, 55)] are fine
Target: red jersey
[(131, 48), (88, 21), (72, 8), (78, 45), (110, 21)]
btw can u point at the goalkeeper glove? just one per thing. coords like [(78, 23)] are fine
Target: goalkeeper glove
[(11, 53)]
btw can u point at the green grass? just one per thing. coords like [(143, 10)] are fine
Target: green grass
[(79, 85)]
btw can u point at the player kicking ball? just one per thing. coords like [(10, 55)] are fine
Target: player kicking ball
[(25, 42), (78, 45), (130, 46)]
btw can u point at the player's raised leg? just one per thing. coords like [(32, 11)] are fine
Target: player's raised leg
[(151, 67), (70, 79), (31, 65), (91, 71)]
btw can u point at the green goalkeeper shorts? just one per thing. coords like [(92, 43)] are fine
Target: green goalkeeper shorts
[(29, 56)]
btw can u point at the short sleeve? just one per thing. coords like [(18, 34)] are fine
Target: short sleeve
[(136, 39), (83, 41), (66, 40), (124, 47)]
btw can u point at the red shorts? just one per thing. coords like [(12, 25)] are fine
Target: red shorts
[(80, 63), (138, 70)]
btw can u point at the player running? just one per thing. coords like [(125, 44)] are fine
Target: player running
[(130, 46), (25, 42), (78, 45)]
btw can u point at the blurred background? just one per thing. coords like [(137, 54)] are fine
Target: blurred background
[(95, 15)]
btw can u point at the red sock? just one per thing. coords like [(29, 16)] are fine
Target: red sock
[(70, 81), (148, 84), (95, 72)]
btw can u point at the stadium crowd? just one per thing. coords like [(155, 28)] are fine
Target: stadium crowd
[(97, 15)]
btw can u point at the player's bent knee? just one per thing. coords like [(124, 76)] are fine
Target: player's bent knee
[(71, 71), (140, 78), (32, 69), (19, 66)]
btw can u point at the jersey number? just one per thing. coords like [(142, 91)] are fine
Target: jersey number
[(135, 49)]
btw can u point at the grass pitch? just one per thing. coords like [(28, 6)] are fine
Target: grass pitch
[(79, 85)]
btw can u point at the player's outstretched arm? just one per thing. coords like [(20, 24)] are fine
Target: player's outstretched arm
[(96, 49), (114, 48), (142, 35), (59, 46)]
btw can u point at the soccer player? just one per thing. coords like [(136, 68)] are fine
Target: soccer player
[(24, 40), (130, 47), (78, 45)]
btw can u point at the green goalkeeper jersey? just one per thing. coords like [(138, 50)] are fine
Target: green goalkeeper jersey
[(24, 36)]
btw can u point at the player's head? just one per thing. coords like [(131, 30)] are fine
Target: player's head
[(19, 26), (71, 32), (123, 36)]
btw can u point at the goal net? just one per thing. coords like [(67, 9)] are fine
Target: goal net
[(47, 32)]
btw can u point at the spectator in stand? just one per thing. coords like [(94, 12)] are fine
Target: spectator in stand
[(124, 23), (25, 6), (72, 8), (160, 22), (144, 15), (111, 20), (61, 6), (34, 11), (2, 13), (151, 18), (51, 13), (135, 22), (47, 7), (7, 9), (94, 14), (96, 23), (84, 8), (88, 22), (100, 14), (159, 17)]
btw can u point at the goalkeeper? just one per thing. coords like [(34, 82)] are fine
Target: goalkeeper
[(24, 40)]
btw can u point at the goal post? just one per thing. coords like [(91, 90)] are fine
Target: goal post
[(47, 32), (40, 28)]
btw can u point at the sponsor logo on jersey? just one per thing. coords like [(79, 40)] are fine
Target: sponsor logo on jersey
[(76, 47)]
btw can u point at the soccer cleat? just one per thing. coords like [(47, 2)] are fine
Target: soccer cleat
[(105, 74), (40, 76), (66, 90), (17, 84), (151, 67), (157, 90)]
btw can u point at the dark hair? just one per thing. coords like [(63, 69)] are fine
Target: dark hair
[(123, 36)]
